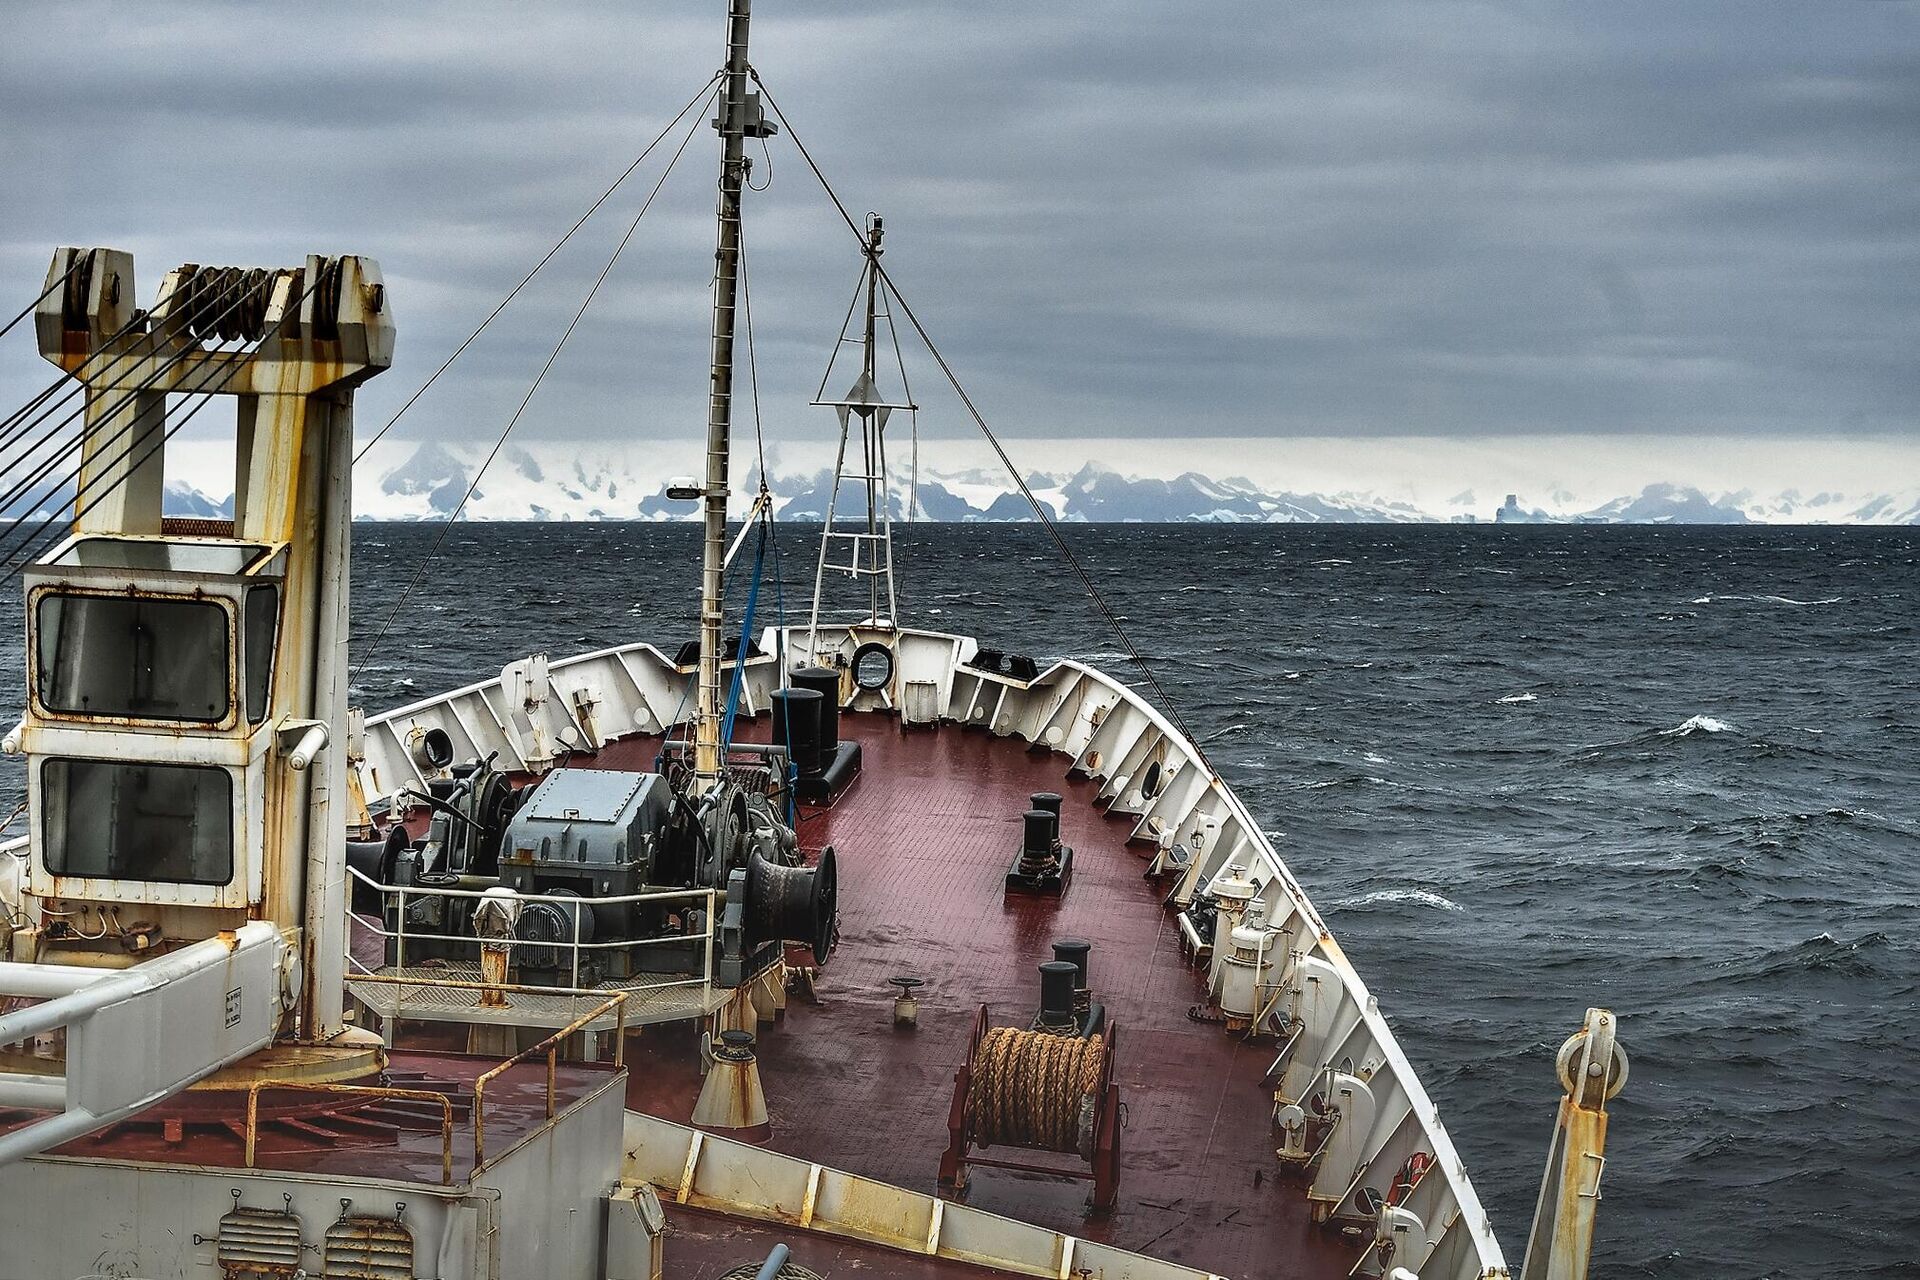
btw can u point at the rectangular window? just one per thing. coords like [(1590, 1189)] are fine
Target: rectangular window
[(263, 623), (158, 822), (138, 657)]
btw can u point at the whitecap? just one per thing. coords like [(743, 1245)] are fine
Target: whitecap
[(1697, 724), (1518, 697), (1416, 897), (1371, 758)]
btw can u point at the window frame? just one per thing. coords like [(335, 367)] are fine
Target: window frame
[(230, 676), (49, 841), (247, 676)]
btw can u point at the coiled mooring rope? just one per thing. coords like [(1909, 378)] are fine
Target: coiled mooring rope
[(790, 1271), (1029, 1088)]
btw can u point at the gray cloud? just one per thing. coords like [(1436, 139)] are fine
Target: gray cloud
[(1121, 218)]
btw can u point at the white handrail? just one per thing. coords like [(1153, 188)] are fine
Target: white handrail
[(218, 998)]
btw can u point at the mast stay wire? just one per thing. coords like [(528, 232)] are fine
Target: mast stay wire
[(15, 425), (913, 414), (231, 371), (697, 98), (1039, 509), (24, 486), (769, 531), (107, 351), (473, 486), (753, 369)]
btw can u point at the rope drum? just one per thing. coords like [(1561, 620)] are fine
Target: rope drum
[(788, 1271), (228, 303), (1036, 1089)]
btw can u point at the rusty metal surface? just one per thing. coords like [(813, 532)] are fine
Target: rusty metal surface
[(516, 1110), (549, 1047), (441, 1100)]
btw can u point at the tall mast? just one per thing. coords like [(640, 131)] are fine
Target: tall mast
[(870, 542), (739, 117)]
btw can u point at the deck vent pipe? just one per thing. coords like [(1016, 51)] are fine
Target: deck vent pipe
[(731, 1101), (1056, 994)]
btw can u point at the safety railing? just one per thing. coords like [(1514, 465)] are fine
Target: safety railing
[(706, 899), (445, 1103), (551, 1047), (614, 1003)]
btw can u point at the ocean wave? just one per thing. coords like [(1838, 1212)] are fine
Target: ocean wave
[(1697, 724), (1825, 952), (1770, 599), (1398, 897)]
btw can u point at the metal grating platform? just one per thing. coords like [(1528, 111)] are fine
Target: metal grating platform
[(648, 1002)]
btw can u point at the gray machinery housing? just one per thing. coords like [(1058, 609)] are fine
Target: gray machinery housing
[(585, 834), (579, 838)]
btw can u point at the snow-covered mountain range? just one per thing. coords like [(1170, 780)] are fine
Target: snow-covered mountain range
[(593, 483), (573, 482)]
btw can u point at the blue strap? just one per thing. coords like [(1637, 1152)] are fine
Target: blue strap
[(780, 609), (746, 643)]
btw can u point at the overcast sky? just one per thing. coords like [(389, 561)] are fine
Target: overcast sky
[(1152, 220)]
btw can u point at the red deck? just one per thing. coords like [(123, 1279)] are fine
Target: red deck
[(341, 1134), (924, 839)]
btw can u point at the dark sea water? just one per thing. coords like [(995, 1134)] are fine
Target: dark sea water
[(1672, 771)]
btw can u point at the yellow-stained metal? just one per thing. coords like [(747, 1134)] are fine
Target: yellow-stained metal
[(493, 975), (550, 1046), (284, 1063), (1592, 1068), (318, 329), (359, 1090), (731, 1098)]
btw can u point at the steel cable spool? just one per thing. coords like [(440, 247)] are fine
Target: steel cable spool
[(1035, 1089), (228, 304)]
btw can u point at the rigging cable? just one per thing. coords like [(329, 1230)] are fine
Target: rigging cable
[(107, 350), (15, 425), (149, 383), (420, 570), (79, 260), (362, 451), (232, 371), (1039, 509), (768, 534), (913, 415), (184, 330)]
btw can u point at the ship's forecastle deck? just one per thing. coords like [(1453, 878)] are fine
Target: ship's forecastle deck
[(924, 838), (954, 740)]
